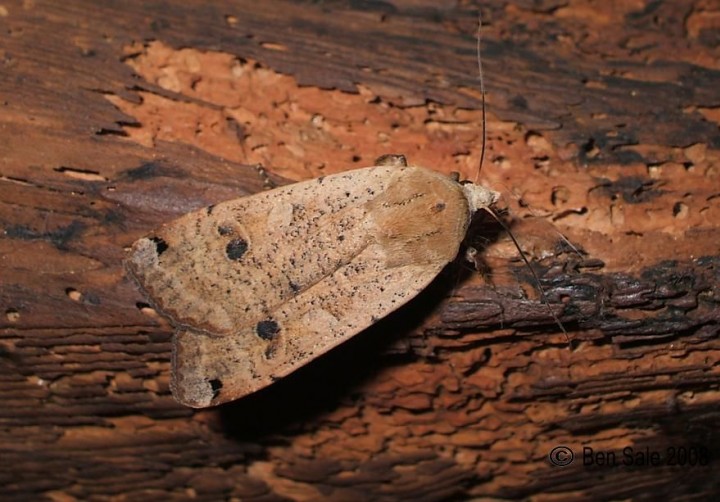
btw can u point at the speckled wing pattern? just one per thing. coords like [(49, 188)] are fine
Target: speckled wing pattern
[(259, 286)]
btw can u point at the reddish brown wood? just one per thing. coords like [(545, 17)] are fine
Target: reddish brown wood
[(603, 124)]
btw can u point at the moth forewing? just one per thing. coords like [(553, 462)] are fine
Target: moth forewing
[(261, 285)]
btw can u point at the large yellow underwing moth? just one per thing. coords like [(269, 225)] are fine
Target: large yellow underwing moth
[(261, 285)]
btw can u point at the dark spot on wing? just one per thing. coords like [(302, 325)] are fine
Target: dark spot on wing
[(236, 248), (216, 384), (267, 329), (160, 245)]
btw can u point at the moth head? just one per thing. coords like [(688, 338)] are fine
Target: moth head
[(479, 197)]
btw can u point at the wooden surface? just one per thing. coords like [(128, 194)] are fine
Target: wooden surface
[(603, 125)]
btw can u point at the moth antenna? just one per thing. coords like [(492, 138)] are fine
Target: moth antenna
[(558, 232), (536, 279), (482, 95), (567, 241)]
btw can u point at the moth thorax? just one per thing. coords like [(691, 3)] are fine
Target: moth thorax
[(479, 197)]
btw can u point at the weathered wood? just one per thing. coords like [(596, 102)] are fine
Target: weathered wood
[(117, 117)]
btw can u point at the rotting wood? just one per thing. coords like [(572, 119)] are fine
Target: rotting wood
[(603, 121)]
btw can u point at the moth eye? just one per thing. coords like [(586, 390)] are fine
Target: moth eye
[(236, 248), (160, 245), (267, 329)]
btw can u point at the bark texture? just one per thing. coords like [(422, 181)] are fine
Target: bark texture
[(116, 117)]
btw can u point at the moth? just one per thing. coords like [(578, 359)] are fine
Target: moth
[(259, 286)]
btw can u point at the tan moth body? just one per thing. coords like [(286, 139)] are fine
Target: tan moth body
[(261, 285)]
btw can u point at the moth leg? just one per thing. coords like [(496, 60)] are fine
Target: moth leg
[(473, 256), (268, 183)]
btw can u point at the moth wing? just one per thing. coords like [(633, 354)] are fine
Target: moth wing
[(261, 285), (210, 370), (232, 263)]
